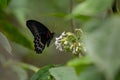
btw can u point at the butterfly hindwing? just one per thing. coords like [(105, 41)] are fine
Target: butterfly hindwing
[(42, 35), (38, 44)]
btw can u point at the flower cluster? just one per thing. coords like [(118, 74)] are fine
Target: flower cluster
[(58, 41), (70, 42)]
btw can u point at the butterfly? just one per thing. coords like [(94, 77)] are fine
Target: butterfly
[(42, 35)]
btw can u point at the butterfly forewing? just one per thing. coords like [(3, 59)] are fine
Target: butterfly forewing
[(42, 35)]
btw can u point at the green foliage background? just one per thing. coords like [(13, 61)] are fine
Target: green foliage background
[(100, 26)]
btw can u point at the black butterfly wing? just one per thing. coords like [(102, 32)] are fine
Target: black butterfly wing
[(42, 35)]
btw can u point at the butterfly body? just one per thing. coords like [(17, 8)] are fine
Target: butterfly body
[(42, 35)]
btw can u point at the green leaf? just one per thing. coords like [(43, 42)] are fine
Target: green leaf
[(21, 73), (56, 14), (43, 73), (18, 8), (27, 66), (14, 34), (80, 63), (91, 73), (63, 73), (102, 42), (92, 7), (3, 3), (4, 43), (117, 77)]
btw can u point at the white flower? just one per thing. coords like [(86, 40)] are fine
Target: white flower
[(71, 46), (79, 44), (57, 47), (60, 37), (76, 49), (74, 52), (63, 34), (56, 43), (66, 42), (57, 39), (84, 49), (60, 48)]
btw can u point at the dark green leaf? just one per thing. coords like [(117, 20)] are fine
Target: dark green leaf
[(91, 73), (80, 63), (4, 3), (43, 73), (14, 34)]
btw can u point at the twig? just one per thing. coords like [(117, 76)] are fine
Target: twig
[(72, 21)]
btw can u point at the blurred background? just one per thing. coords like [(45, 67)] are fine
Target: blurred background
[(99, 22), (16, 41)]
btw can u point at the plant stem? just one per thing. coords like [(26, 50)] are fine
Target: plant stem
[(115, 6), (72, 21)]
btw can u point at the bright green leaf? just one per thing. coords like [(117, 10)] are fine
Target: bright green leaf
[(63, 73), (57, 14)]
